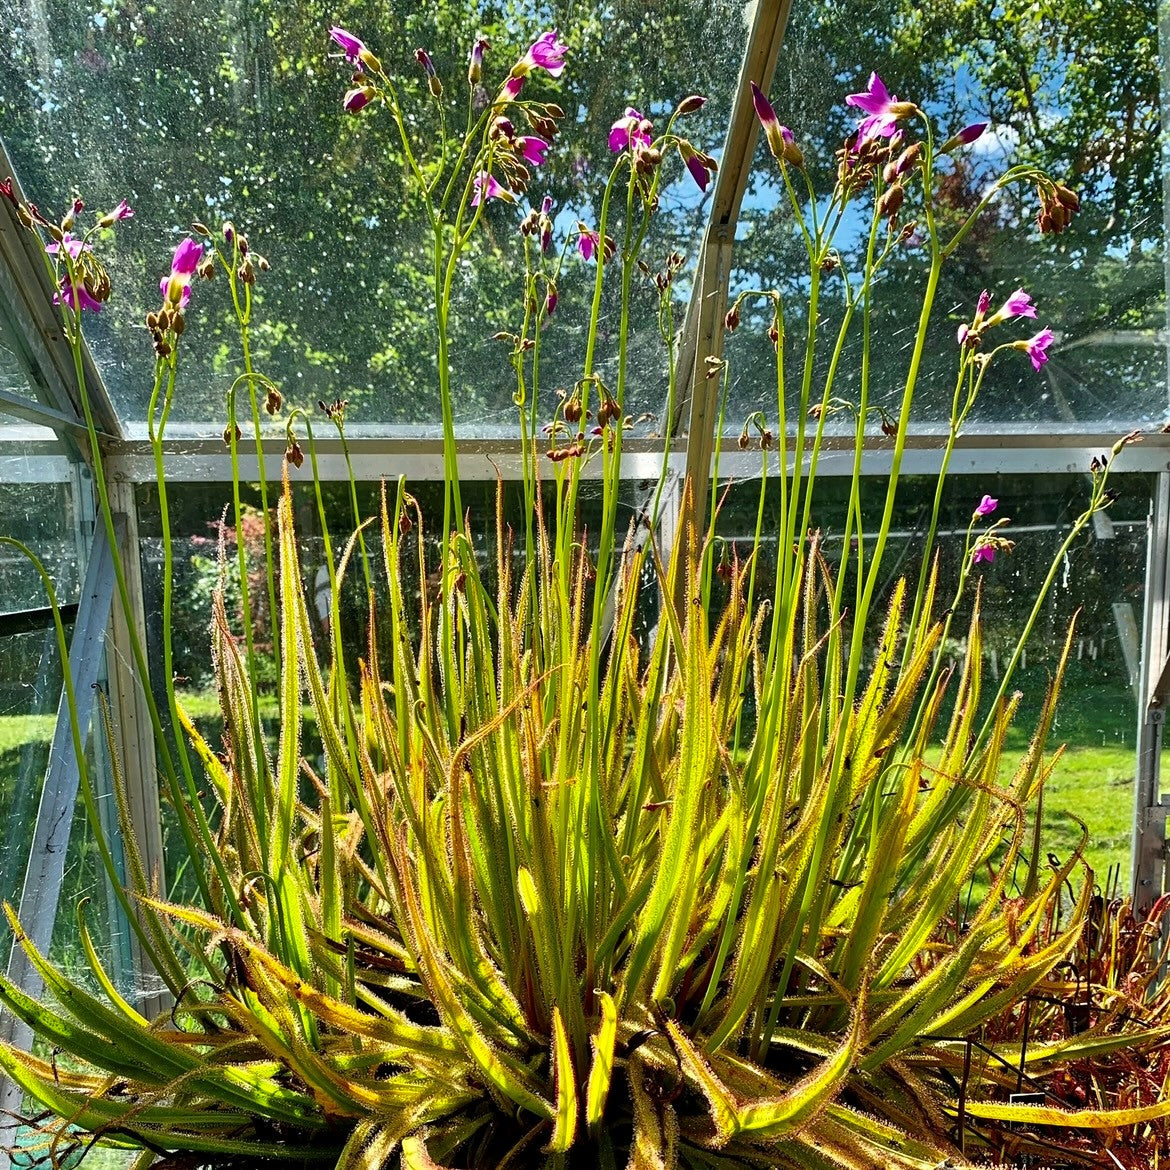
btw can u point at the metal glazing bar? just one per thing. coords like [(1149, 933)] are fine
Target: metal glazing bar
[(45, 416), (22, 621), (27, 293), (698, 395), (1148, 856), (1007, 450)]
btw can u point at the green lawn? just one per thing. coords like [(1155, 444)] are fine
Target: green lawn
[(1093, 782)]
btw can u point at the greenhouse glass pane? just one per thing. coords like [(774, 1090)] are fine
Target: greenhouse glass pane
[(41, 516), (202, 110), (1072, 88), (1101, 581)]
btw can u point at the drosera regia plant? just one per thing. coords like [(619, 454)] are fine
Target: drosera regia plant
[(552, 897)]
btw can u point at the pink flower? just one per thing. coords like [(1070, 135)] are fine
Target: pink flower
[(511, 88), (630, 130), (550, 301), (698, 172), (532, 149), (122, 211), (547, 52), (76, 296), (963, 333), (781, 140), (1037, 347), (71, 245), (883, 109), (351, 45), (187, 256), (983, 305), (357, 99), (488, 187), (589, 244), (586, 242), (1019, 304), (983, 552), (176, 285), (986, 506)]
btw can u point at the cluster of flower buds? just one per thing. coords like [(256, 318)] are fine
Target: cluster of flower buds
[(573, 450), (1057, 204), (273, 400), (516, 153), (293, 453), (165, 326), (609, 411), (988, 545), (362, 89), (666, 277), (890, 202), (539, 223), (83, 282), (335, 410)]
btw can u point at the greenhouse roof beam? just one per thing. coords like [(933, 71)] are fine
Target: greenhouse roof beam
[(698, 394), (27, 294)]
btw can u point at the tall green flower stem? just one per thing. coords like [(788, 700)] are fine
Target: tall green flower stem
[(242, 306)]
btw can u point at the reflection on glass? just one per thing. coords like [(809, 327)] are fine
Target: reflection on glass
[(1077, 95), (196, 111), (41, 516), (1101, 582)]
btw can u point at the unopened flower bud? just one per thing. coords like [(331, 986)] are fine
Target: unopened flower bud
[(573, 410), (691, 105), (1067, 198), (229, 231), (274, 401), (475, 62), (261, 262), (178, 325), (890, 172), (201, 229), (908, 158), (731, 321), (744, 441), (891, 201), (231, 433), (294, 454)]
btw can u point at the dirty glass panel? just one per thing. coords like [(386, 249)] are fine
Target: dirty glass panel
[(200, 110), (1100, 582), (1072, 88)]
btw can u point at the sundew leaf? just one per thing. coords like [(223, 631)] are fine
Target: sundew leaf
[(565, 1120), (601, 1071)]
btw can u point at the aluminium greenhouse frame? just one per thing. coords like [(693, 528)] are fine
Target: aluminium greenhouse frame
[(30, 453)]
